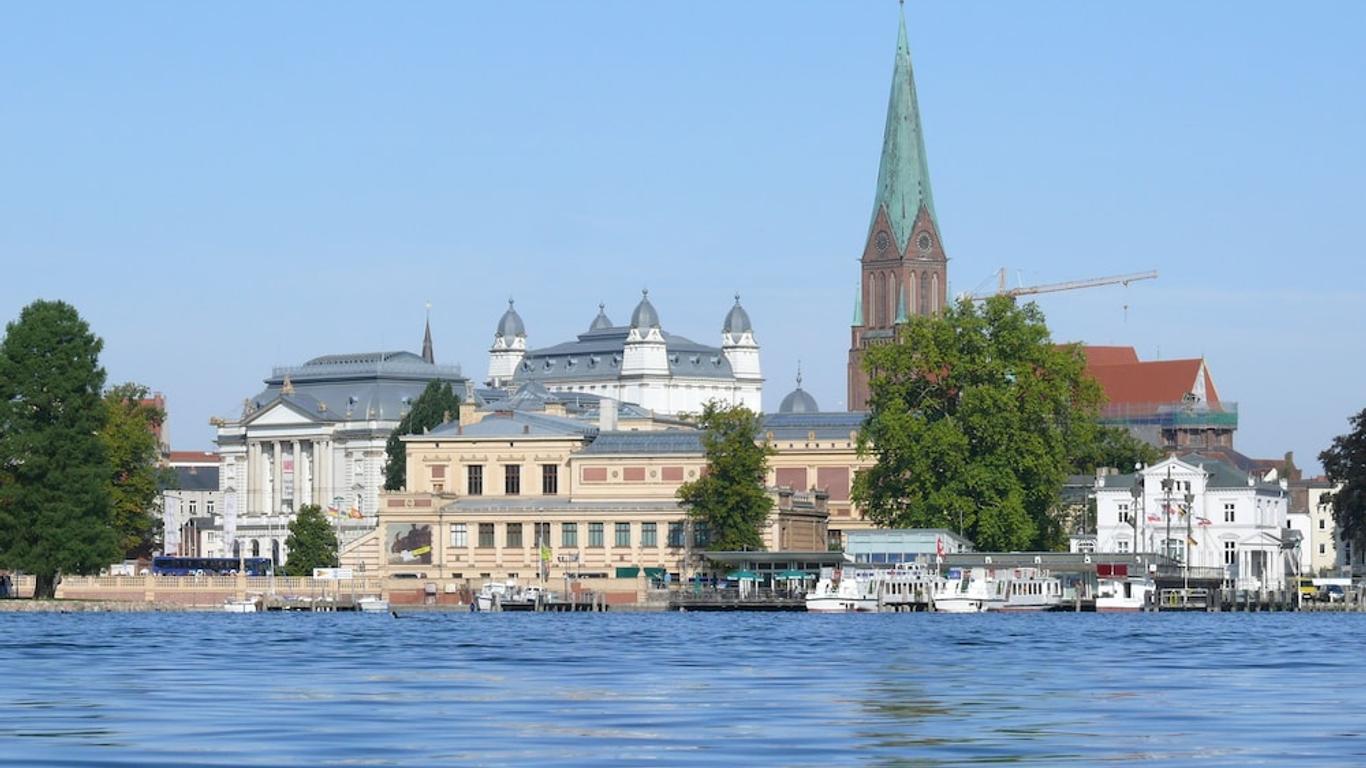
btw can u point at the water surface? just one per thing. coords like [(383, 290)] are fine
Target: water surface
[(681, 689)]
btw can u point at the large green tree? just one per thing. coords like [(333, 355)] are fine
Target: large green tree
[(54, 498), (135, 457), (437, 404), (976, 418), (312, 543), (1113, 447), (1345, 465), (730, 499)]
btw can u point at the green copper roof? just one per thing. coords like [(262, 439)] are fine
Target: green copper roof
[(901, 315), (903, 176), (858, 308)]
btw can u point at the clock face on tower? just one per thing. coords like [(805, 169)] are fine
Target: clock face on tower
[(923, 243), (882, 242)]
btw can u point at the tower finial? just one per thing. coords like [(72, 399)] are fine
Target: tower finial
[(799, 374)]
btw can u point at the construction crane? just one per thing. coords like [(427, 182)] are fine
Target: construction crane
[(1070, 285)]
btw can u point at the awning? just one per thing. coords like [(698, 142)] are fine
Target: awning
[(791, 575), (743, 576), (628, 572), (655, 573)]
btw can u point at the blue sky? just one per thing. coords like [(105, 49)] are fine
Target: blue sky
[(221, 188)]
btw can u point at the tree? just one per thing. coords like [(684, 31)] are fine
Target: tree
[(1113, 447), (138, 478), (434, 407), (54, 499), (312, 543), (1345, 465), (975, 419), (730, 499)]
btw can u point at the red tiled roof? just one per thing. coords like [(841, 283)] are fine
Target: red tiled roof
[(193, 457), (1109, 355), (1158, 381)]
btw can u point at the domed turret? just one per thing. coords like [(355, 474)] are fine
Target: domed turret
[(737, 320), (510, 326), (798, 401), (601, 322), (645, 315)]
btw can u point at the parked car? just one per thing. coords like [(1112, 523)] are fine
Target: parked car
[(1334, 593)]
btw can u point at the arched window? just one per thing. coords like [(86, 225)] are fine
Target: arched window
[(275, 551), (911, 303), (237, 549), (894, 295), (880, 291), (938, 305), (924, 293), (255, 547)]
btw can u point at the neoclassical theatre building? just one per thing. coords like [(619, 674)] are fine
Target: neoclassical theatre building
[(638, 362)]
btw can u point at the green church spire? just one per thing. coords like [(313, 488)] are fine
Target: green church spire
[(903, 176)]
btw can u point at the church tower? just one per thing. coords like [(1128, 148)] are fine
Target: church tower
[(903, 269)]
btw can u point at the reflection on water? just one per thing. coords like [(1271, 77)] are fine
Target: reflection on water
[(680, 689)]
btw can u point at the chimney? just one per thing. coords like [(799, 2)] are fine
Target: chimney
[(467, 413), (607, 415)]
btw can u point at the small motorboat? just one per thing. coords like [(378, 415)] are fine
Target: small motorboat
[(1029, 589), (250, 605), (845, 591), (967, 591), (373, 605)]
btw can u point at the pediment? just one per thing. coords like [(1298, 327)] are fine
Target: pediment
[(281, 414)]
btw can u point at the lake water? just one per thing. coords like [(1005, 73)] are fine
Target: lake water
[(681, 689)]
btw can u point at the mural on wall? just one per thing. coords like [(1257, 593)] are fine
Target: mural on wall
[(409, 543)]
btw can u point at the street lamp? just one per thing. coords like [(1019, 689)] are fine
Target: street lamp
[(1136, 492), (1167, 485), (1190, 514)]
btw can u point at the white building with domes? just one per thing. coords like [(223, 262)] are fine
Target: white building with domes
[(637, 363)]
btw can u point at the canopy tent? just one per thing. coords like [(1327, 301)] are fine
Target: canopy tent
[(742, 576)]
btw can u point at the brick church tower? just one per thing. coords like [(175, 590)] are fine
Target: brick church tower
[(903, 270)]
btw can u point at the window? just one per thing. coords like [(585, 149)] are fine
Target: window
[(542, 534), (1088, 546), (569, 534), (649, 536), (486, 535), (512, 479), (194, 507), (1175, 549), (1124, 516), (474, 473), (595, 534), (1323, 549), (1321, 520), (208, 510), (623, 535), (1122, 545), (514, 536), (460, 535), (675, 534), (1230, 514), (701, 535), (1230, 552), (550, 479)]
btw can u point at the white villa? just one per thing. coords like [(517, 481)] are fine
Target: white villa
[(1202, 508)]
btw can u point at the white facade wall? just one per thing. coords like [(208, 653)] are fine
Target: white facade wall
[(1243, 534), (1323, 533)]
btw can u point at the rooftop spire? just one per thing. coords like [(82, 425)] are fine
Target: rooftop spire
[(903, 175), (427, 338)]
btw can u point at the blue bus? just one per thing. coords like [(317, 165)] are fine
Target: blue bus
[(210, 566)]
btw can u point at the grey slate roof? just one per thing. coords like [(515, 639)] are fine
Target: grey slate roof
[(601, 322), (533, 396), (512, 424), (826, 425), (1222, 475), (798, 401), (510, 324), (196, 479), (645, 315), (650, 443), (366, 385), (737, 320), (597, 355)]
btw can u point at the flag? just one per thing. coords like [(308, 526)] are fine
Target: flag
[(1203, 521), (355, 514), (939, 545), (1153, 517), (545, 554), (1192, 541)]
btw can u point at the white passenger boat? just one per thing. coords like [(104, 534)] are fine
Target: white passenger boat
[(1123, 594), (845, 590), (507, 596), (967, 591), (373, 605), (908, 584), (1029, 589), (240, 606)]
